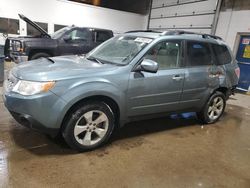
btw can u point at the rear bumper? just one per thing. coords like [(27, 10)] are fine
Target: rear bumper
[(233, 89), (230, 92)]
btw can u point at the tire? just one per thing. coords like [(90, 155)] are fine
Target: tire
[(84, 130), (39, 55), (213, 109)]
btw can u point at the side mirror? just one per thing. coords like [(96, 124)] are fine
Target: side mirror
[(67, 38), (148, 65)]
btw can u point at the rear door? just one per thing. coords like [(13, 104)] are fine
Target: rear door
[(200, 75), (150, 93)]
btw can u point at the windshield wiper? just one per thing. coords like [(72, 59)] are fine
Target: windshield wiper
[(126, 58), (94, 59)]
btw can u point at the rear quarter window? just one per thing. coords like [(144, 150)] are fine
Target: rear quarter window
[(101, 36), (198, 54), (221, 54)]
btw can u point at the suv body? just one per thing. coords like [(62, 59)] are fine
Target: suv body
[(133, 76), (66, 41)]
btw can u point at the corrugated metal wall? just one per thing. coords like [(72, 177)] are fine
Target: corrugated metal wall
[(191, 15)]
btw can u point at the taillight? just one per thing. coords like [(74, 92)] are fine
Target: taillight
[(237, 72)]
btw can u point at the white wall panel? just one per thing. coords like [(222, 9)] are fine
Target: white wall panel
[(182, 22), (196, 8), (232, 22), (159, 3), (197, 15)]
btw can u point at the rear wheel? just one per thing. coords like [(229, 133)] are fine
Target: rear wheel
[(39, 55), (89, 126), (214, 108)]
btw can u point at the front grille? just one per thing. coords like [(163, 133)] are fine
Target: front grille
[(14, 45), (10, 82), (11, 45)]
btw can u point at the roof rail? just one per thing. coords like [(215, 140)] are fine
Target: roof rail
[(135, 31), (181, 32)]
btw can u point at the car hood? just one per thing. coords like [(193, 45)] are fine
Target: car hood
[(60, 68), (33, 24)]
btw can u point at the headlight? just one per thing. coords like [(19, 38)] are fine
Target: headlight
[(31, 88)]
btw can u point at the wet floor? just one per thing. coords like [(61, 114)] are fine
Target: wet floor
[(168, 152)]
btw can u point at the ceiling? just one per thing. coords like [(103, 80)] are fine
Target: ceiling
[(135, 6)]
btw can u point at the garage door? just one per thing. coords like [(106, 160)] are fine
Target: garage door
[(190, 15)]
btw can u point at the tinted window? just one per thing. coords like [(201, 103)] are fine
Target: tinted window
[(78, 35), (222, 54), (101, 36), (33, 31), (58, 27), (10, 26), (166, 54), (198, 54)]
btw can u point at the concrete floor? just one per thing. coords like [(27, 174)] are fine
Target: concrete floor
[(167, 152)]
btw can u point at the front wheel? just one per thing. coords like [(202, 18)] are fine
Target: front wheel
[(214, 108), (89, 126)]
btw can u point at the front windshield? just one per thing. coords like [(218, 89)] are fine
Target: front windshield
[(119, 50), (59, 33)]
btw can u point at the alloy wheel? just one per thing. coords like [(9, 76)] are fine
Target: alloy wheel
[(91, 127), (215, 108)]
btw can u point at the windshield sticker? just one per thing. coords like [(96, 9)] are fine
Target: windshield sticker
[(143, 40)]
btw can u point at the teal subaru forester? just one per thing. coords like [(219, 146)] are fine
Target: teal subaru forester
[(136, 75)]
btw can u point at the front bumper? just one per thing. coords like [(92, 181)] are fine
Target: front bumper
[(39, 112), (29, 122), (18, 57)]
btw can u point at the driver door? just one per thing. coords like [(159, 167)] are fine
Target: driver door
[(76, 41), (150, 93)]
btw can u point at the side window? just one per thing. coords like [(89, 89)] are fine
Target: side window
[(222, 54), (8, 25), (34, 32), (198, 54), (166, 54), (78, 35), (101, 36)]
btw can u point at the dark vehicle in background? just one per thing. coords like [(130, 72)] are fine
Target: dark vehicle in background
[(66, 41)]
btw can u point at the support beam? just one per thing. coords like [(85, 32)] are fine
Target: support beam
[(216, 17), (149, 14)]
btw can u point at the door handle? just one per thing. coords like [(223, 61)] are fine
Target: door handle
[(177, 77)]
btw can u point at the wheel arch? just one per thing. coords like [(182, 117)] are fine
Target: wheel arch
[(32, 52), (221, 89), (224, 90), (100, 98)]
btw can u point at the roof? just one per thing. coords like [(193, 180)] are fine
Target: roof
[(144, 34), (178, 34), (94, 28)]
